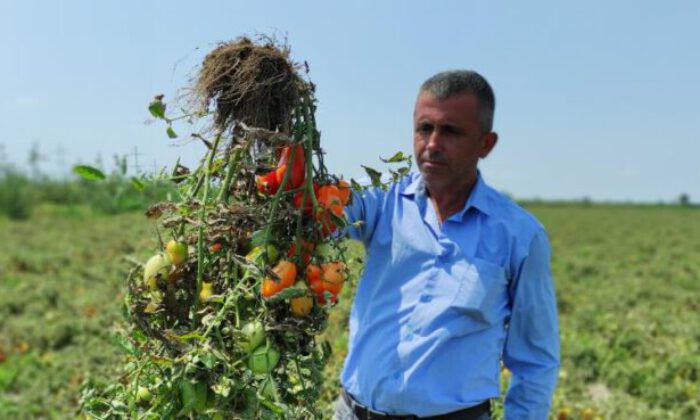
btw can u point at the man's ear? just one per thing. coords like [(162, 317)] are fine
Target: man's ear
[(489, 142)]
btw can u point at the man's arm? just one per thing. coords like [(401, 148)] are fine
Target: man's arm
[(364, 210), (531, 351)]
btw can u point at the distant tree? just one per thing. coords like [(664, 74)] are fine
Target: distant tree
[(684, 199)]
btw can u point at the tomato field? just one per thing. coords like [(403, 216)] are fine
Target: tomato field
[(626, 279)]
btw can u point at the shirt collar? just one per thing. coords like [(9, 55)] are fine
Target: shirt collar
[(478, 198)]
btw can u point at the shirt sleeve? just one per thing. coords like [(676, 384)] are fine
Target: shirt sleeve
[(363, 213), (531, 350)]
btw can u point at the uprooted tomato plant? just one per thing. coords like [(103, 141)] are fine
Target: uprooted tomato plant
[(223, 319)]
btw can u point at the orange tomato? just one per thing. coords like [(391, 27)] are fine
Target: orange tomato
[(302, 305), (333, 276), (328, 196), (344, 191), (327, 278), (286, 272)]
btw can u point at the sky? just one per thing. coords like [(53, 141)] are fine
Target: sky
[(595, 99)]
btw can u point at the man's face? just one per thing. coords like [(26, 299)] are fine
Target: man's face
[(448, 140)]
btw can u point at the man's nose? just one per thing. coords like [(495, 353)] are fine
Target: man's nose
[(434, 140)]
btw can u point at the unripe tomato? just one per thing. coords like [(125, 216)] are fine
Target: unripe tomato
[(143, 395), (177, 251), (302, 305), (254, 335), (206, 292), (286, 272), (263, 254), (156, 266), (263, 359)]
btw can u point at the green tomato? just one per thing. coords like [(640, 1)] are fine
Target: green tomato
[(325, 250), (143, 394), (157, 265), (263, 254), (177, 251), (254, 335), (263, 359)]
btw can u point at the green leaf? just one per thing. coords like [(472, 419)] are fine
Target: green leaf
[(193, 395), (288, 293), (208, 360), (355, 185), (171, 133), (398, 157), (259, 238), (190, 336), (88, 172), (374, 175), (157, 107), (137, 183), (125, 344)]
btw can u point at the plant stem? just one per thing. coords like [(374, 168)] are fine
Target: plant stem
[(202, 224)]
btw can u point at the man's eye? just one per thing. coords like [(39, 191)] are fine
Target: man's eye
[(449, 129), (424, 128)]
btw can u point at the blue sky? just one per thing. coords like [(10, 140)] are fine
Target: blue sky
[(596, 99)]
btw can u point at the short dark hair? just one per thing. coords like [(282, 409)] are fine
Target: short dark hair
[(450, 83)]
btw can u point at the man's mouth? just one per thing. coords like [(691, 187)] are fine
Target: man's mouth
[(433, 163)]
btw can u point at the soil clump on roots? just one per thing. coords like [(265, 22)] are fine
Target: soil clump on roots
[(253, 83)]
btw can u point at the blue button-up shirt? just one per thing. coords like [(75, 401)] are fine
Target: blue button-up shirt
[(440, 305)]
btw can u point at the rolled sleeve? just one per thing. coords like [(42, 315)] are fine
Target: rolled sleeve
[(531, 350)]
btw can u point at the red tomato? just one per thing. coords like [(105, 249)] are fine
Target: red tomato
[(306, 249), (267, 184), (308, 205), (313, 274), (297, 165)]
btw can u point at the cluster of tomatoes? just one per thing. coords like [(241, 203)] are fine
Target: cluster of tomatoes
[(325, 281)]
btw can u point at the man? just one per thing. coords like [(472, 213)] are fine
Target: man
[(456, 280)]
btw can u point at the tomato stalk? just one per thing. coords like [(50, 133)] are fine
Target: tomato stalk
[(200, 230), (234, 158)]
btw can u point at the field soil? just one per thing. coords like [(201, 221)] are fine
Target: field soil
[(627, 280)]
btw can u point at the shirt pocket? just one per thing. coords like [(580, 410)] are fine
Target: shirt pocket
[(481, 286)]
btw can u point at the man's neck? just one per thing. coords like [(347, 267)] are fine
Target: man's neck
[(450, 200)]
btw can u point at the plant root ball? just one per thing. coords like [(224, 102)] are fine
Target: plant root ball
[(253, 83)]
